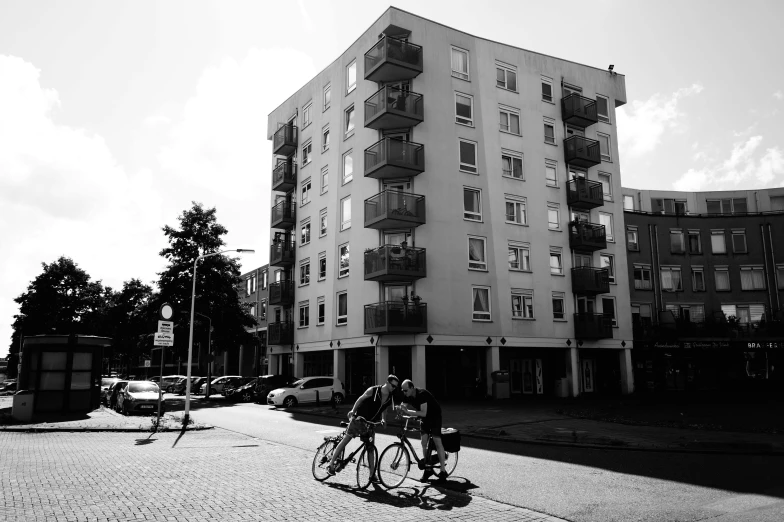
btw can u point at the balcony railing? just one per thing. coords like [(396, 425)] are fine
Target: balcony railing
[(284, 177), (280, 333), (584, 194), (579, 111), (281, 293), (581, 151), (393, 108), (395, 317), (282, 253), (392, 158), (587, 237), (284, 215), (590, 281), (284, 142), (592, 326), (393, 60), (394, 209), (395, 263)]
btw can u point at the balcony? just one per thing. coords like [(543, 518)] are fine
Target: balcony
[(587, 237), (579, 111), (393, 60), (592, 326), (281, 293), (581, 151), (284, 177), (280, 333), (393, 108), (284, 142), (392, 158), (284, 215), (395, 263), (395, 317), (590, 281), (282, 253), (584, 194), (394, 209)]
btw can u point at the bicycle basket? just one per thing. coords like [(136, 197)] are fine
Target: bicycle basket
[(450, 438)]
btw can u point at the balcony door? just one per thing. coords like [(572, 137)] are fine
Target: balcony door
[(586, 305), (576, 173), (395, 292), (397, 237), (578, 215), (583, 260), (574, 131)]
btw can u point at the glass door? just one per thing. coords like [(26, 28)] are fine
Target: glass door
[(586, 305), (582, 260)]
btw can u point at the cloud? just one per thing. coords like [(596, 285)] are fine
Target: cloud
[(641, 124), (778, 95), (156, 120)]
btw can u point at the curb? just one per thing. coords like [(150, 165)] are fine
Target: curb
[(110, 430)]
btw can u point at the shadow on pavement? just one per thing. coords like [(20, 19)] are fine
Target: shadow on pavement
[(426, 497)]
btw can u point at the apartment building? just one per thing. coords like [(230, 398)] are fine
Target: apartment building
[(252, 360), (444, 207), (707, 273)]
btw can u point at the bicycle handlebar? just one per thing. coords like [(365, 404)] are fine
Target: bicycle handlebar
[(363, 419)]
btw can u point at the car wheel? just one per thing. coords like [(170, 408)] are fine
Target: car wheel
[(247, 396), (338, 398), (213, 391), (289, 402), (125, 409)]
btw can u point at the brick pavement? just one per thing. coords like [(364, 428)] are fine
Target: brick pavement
[(205, 475)]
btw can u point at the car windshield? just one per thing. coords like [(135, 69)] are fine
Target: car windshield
[(108, 381), (294, 384), (139, 387)]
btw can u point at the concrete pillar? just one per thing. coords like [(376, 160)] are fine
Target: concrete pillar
[(418, 366), (573, 371), (382, 363), (299, 364), (493, 365), (627, 371), (241, 365), (339, 365), (225, 363), (273, 364)]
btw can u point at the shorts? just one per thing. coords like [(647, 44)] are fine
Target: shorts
[(432, 426), (357, 428)]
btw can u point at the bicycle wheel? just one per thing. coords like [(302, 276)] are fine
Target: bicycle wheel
[(365, 471), (322, 458), (393, 465), (451, 463)]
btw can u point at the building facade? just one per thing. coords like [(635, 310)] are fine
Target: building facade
[(252, 360), (707, 285), (445, 207)]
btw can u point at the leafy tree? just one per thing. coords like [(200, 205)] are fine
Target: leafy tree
[(130, 322)]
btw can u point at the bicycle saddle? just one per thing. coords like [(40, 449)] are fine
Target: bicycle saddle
[(344, 424)]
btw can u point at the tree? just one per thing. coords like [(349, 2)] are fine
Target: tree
[(129, 322), (217, 281)]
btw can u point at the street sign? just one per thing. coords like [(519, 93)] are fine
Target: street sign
[(146, 364), (166, 327), (163, 339)]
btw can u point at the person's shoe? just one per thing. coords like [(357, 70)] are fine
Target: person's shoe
[(375, 480), (426, 475), (330, 471), (442, 475)]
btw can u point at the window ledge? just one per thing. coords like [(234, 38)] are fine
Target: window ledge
[(348, 135), (470, 125), (523, 318), (560, 320), (513, 178), (553, 144), (510, 133), (469, 172), (557, 275), (550, 102)]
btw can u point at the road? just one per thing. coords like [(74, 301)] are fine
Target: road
[(582, 485)]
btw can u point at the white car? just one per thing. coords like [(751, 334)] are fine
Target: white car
[(217, 384), (304, 390)]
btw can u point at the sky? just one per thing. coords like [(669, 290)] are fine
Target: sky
[(115, 116)]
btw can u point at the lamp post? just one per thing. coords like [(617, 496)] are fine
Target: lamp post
[(209, 353), (186, 415)]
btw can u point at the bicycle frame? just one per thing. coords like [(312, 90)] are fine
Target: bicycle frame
[(431, 446)]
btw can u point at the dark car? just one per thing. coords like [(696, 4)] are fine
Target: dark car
[(7, 387), (181, 384), (140, 397), (267, 383), (243, 393), (234, 383)]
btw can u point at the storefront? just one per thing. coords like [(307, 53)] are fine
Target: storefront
[(456, 372), (318, 363), (600, 371), (533, 371), (360, 370)]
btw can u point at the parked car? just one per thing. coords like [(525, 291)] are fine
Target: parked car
[(235, 383), (8, 387), (267, 383), (167, 385), (196, 386), (179, 386), (140, 397), (217, 384), (305, 390), (105, 383), (114, 390)]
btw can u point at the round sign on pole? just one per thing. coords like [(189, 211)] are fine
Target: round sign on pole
[(165, 312)]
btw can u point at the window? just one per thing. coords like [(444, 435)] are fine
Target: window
[(351, 77), (460, 63), (324, 179), (322, 266), (681, 207), (468, 156), (464, 109), (694, 313), (348, 167), (342, 298), (472, 204), (671, 279), (263, 309), (608, 261), (697, 279), (547, 89), (325, 139), (305, 190), (558, 306), (628, 202), (253, 310), (606, 180), (327, 96), (345, 213), (253, 284), (522, 304), (304, 314), (553, 221), (722, 279), (506, 76), (669, 206), (632, 240), (642, 277), (780, 276), (343, 259), (604, 146), (515, 210), (519, 256), (306, 115), (717, 242), (323, 222), (549, 131), (607, 220), (248, 286), (320, 310), (509, 120), (307, 151), (677, 243), (349, 121), (305, 232), (695, 245), (608, 310), (556, 265), (603, 108), (752, 278), (511, 164), (477, 252), (739, 241), (726, 206), (551, 173), (263, 280), (304, 272), (480, 296)]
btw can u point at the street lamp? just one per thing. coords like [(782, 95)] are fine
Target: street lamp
[(209, 354), (186, 415)]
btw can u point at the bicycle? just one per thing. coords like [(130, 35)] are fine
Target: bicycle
[(395, 461), (324, 455)]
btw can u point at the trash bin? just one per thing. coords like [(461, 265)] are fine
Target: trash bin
[(22, 408), (500, 384)]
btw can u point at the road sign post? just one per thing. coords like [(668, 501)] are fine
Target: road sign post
[(163, 337)]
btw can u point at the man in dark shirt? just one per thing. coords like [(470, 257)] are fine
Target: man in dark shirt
[(427, 407)]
